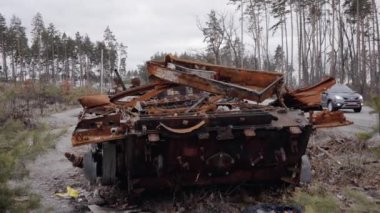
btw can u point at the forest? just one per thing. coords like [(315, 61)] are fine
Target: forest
[(306, 40), (44, 70), (338, 38)]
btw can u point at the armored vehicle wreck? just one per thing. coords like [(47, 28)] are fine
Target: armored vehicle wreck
[(198, 124)]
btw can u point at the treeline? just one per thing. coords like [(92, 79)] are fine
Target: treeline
[(53, 56), (340, 38)]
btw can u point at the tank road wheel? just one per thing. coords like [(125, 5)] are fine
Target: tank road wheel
[(305, 172), (108, 164), (90, 167)]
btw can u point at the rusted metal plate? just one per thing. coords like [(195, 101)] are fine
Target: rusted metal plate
[(94, 101), (326, 119), (308, 98), (98, 129), (242, 77), (252, 85)]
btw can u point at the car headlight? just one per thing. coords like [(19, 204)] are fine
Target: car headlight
[(338, 97), (360, 97)]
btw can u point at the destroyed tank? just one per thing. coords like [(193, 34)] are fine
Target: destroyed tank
[(197, 124)]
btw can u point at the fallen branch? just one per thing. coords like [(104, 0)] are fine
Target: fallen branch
[(329, 155)]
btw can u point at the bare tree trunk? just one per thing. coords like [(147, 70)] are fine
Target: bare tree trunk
[(333, 54), (282, 41), (299, 33), (363, 73), (266, 34), (291, 35), (52, 65), (304, 54), (378, 46), (313, 52), (80, 70), (4, 54), (258, 43), (13, 67), (358, 46), (86, 72), (287, 54), (47, 73), (372, 58), (353, 56), (33, 69), (340, 45), (73, 80)]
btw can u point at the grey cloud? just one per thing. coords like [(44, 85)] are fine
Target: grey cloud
[(145, 26)]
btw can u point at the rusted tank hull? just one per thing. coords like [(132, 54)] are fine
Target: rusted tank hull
[(229, 147), (190, 161), (193, 125)]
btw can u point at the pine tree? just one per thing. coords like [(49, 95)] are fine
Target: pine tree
[(110, 53), (279, 58), (213, 34), (51, 43), (18, 47), (3, 48), (38, 28)]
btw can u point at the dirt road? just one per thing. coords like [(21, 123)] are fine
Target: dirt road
[(363, 122), (51, 172)]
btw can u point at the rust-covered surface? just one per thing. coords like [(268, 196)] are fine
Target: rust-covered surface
[(308, 98), (243, 84), (325, 119), (198, 124)]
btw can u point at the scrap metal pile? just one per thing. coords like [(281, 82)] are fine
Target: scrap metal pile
[(199, 124)]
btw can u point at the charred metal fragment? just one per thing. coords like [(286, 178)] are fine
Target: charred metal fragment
[(77, 161), (308, 98)]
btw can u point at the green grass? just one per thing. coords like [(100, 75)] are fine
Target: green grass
[(317, 199), (360, 202), (17, 146), (376, 151)]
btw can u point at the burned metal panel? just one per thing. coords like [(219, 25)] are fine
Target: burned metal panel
[(91, 101), (98, 129), (243, 77), (326, 119), (308, 98), (230, 88)]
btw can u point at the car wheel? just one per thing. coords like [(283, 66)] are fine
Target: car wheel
[(330, 106), (358, 109)]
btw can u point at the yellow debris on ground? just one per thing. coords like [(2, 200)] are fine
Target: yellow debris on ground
[(70, 193)]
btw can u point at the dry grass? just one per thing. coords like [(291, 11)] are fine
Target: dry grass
[(360, 202), (17, 146)]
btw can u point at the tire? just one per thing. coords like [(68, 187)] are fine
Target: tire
[(108, 164), (330, 106), (358, 109)]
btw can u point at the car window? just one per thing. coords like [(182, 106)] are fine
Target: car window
[(340, 88)]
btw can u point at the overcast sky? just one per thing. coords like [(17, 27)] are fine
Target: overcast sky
[(145, 26)]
